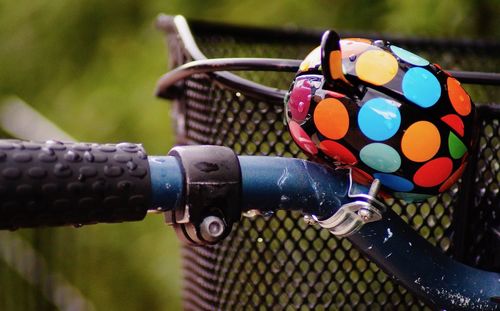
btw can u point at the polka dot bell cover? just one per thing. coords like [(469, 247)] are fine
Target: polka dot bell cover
[(384, 111)]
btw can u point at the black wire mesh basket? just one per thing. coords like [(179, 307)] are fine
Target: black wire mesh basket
[(278, 261)]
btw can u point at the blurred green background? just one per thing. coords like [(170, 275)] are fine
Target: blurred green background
[(91, 66)]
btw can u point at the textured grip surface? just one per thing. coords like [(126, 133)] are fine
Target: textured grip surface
[(54, 183)]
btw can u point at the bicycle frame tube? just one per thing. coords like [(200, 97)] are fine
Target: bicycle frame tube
[(424, 269), (271, 183)]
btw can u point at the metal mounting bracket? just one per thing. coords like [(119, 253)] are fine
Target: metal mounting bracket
[(212, 180), (353, 215)]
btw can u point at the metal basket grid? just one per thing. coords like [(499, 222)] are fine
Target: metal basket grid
[(278, 261)]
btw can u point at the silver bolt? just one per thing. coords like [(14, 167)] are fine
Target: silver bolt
[(365, 214), (211, 228), (374, 188)]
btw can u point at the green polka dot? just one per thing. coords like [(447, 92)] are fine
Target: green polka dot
[(457, 147)]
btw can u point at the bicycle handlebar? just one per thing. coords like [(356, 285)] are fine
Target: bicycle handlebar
[(56, 183)]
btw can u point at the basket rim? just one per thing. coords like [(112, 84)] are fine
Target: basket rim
[(217, 67)]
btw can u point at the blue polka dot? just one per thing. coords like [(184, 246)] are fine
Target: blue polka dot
[(380, 157), (421, 87), (394, 182), (379, 119), (409, 57)]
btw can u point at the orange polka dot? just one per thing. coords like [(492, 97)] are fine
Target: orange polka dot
[(433, 172), (421, 141), (338, 152), (453, 178), (455, 122), (460, 100), (331, 118), (377, 67), (336, 71)]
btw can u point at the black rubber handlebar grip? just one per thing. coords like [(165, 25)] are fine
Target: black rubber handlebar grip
[(54, 183)]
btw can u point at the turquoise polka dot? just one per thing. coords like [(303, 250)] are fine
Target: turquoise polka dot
[(421, 87), (409, 57), (394, 182), (379, 119), (380, 157)]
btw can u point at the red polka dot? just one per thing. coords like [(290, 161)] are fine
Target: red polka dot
[(433, 172), (338, 152), (361, 176), (453, 178), (455, 122), (334, 94), (302, 139)]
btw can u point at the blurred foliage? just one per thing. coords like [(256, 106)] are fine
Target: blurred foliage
[(91, 66)]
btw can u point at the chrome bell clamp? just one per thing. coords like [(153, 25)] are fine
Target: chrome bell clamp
[(353, 215)]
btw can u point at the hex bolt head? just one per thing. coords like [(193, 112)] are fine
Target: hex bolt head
[(212, 228), (365, 214)]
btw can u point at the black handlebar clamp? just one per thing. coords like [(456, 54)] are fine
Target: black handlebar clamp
[(212, 183)]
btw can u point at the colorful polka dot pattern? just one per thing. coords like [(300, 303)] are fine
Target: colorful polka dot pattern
[(416, 144)]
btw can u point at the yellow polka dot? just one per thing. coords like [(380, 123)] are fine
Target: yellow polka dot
[(377, 67), (312, 60)]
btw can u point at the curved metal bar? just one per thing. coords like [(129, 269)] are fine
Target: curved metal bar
[(228, 79), (165, 86), (476, 77), (292, 184), (272, 183), (424, 269)]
